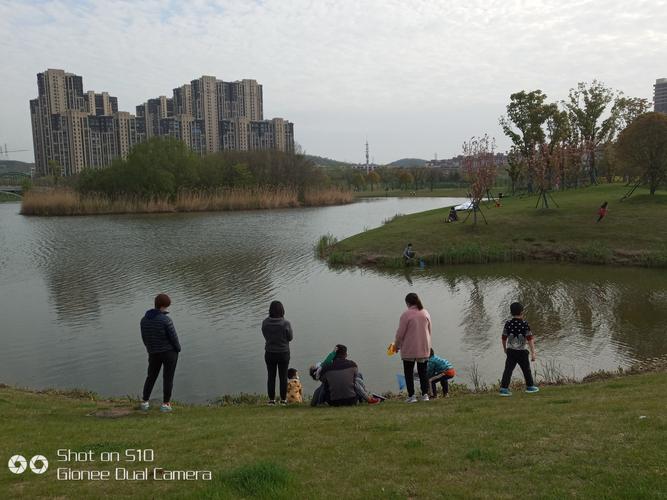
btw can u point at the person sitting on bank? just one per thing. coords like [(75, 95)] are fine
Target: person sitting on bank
[(161, 341), (453, 216), (409, 254), (342, 384)]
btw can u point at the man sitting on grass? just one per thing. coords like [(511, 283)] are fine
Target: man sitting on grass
[(342, 384)]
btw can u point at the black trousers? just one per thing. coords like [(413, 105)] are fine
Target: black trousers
[(516, 357), (276, 361), (408, 370), (167, 359)]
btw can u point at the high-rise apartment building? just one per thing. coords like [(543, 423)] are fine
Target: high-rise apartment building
[(660, 95), (73, 129), (76, 129), (211, 115)]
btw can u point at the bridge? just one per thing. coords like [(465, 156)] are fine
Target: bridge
[(12, 190), (10, 182)]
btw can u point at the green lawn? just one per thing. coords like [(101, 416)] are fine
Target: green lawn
[(634, 232), (584, 441)]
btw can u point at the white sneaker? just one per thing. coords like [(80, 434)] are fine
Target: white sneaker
[(425, 397), (165, 408), (145, 405), (411, 399)]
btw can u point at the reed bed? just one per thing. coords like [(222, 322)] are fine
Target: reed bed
[(236, 199), (56, 202), (64, 201), (329, 196)]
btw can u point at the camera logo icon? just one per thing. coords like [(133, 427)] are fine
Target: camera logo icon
[(17, 464), (39, 464)]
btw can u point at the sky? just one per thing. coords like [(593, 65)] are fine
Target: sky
[(416, 78)]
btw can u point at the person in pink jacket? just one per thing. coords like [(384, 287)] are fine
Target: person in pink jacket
[(413, 341)]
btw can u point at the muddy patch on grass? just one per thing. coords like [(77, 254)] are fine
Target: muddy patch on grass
[(114, 412)]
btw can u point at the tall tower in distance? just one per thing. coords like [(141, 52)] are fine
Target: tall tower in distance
[(368, 165), (660, 95)]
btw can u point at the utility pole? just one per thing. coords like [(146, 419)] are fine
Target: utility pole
[(368, 166)]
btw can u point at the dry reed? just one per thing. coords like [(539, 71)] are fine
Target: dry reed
[(328, 196), (63, 201)]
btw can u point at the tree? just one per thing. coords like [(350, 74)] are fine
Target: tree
[(26, 185), (586, 105), (242, 176), (527, 114), (515, 167), (373, 178), (626, 109), (480, 167), (434, 175), (608, 163), (642, 148), (56, 171), (358, 181), (405, 179)]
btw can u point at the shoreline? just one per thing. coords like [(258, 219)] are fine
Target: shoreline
[(551, 377), (475, 254)]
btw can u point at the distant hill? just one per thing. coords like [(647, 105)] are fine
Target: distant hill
[(408, 162), (7, 166), (327, 162)]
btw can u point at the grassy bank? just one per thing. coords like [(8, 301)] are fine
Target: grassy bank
[(596, 440), (54, 202), (402, 193), (634, 233)]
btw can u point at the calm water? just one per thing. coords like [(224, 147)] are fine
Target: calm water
[(72, 291)]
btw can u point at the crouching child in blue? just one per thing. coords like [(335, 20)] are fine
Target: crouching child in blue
[(516, 335), (439, 370)]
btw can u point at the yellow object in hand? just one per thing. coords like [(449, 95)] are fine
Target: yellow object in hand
[(391, 350)]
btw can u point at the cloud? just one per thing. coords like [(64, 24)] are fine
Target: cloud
[(415, 77)]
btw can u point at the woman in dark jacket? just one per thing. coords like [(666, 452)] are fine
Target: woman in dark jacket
[(277, 332), (161, 341)]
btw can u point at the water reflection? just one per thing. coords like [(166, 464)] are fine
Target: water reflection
[(72, 291), (587, 308)]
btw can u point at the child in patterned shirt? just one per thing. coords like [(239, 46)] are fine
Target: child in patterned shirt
[(516, 335), (294, 388)]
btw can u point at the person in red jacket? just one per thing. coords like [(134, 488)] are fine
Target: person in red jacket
[(602, 211)]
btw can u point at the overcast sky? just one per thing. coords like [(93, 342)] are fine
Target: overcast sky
[(415, 77)]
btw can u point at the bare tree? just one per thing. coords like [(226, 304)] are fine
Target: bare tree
[(480, 168)]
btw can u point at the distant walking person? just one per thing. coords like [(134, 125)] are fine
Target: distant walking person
[(516, 334), (602, 211), (277, 333), (413, 341), (161, 341)]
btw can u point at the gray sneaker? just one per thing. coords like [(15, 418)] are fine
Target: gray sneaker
[(411, 399), (425, 397), (145, 405)]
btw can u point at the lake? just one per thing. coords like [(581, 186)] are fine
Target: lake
[(73, 289)]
